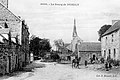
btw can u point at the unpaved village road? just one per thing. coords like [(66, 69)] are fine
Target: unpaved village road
[(63, 72)]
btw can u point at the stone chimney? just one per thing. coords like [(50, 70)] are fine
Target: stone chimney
[(4, 2)]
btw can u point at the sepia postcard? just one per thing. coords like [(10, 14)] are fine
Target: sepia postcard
[(59, 40)]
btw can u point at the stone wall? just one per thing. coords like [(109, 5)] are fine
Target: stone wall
[(13, 54), (86, 55), (4, 2), (110, 45)]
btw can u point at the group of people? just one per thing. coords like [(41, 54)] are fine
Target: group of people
[(75, 62), (108, 63)]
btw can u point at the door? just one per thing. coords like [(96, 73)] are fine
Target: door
[(9, 63)]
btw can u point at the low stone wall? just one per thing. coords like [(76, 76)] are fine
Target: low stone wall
[(11, 60)]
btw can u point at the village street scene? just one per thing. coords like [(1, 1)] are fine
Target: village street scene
[(59, 40)]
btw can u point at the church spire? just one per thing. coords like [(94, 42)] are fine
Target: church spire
[(74, 29)]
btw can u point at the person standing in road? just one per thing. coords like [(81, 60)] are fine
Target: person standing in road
[(85, 63)]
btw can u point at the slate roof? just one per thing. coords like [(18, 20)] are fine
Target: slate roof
[(7, 15), (64, 55), (88, 46), (66, 44), (113, 28), (69, 47)]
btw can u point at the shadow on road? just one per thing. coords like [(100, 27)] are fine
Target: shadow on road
[(28, 68)]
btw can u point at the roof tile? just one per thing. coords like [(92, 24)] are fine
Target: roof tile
[(88, 46), (113, 28)]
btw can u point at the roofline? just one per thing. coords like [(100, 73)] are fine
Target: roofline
[(90, 51), (10, 11), (115, 22), (94, 43), (110, 32), (90, 42)]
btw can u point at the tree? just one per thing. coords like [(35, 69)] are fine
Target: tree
[(55, 56), (45, 45), (38, 46), (102, 30), (34, 45)]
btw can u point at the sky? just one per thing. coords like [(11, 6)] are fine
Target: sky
[(56, 22)]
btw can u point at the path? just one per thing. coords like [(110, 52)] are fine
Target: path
[(54, 71)]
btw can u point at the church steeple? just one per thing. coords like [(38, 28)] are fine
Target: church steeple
[(74, 29)]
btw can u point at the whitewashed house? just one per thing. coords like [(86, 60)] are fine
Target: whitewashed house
[(110, 42)]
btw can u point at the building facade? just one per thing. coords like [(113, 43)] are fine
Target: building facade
[(14, 35), (89, 50), (110, 42), (25, 41)]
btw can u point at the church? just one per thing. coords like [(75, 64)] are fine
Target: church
[(85, 50)]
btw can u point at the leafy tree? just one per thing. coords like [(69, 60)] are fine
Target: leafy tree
[(38, 46), (55, 56), (102, 30), (34, 45), (45, 45)]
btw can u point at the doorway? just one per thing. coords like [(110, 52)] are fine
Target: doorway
[(94, 56)]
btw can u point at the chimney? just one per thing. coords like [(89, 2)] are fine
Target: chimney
[(4, 2), (114, 21)]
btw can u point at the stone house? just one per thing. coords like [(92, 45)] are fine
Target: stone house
[(89, 50), (110, 42), (25, 41), (16, 44), (8, 55), (64, 53)]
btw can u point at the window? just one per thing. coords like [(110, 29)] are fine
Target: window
[(6, 26), (106, 41), (112, 37), (109, 54), (114, 53), (106, 38), (76, 46)]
